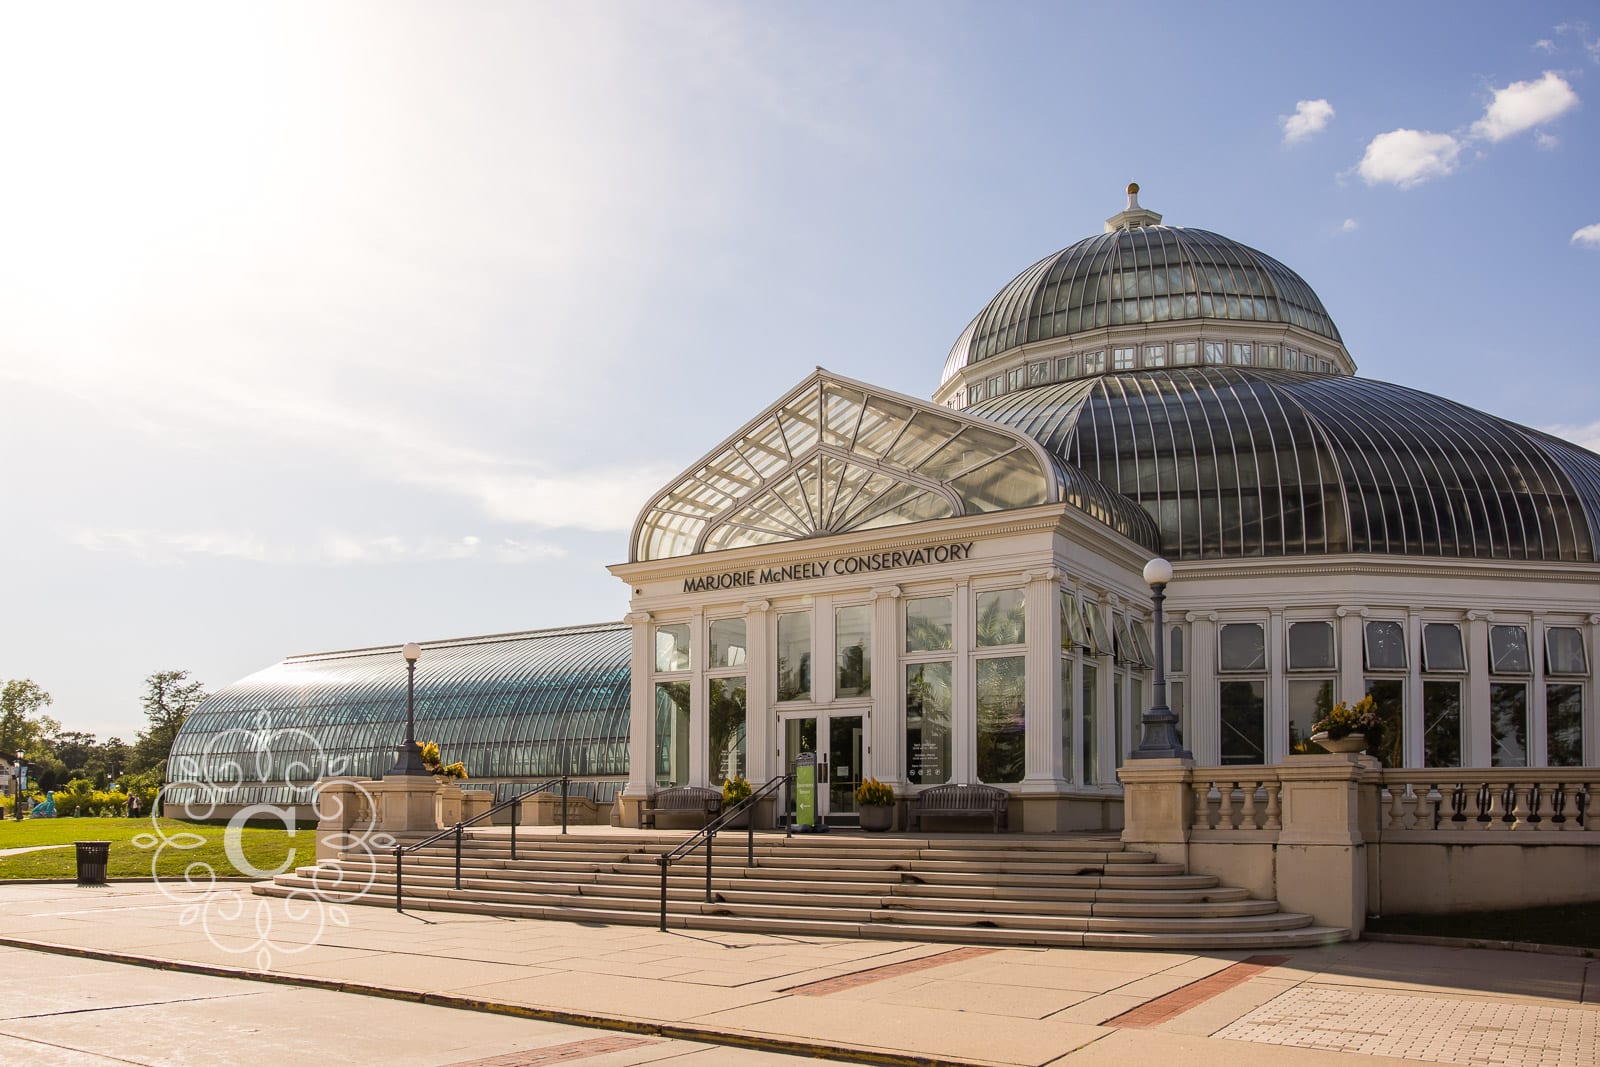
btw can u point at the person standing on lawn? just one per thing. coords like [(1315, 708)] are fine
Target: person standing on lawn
[(133, 805)]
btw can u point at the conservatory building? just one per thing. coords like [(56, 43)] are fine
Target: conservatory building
[(950, 591)]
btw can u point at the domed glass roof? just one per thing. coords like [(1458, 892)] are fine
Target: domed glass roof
[(1238, 462), (1141, 275)]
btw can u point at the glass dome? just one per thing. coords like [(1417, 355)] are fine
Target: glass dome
[(1237, 462), (1144, 275)]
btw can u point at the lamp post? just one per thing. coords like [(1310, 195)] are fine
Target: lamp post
[(19, 772), (1158, 737), (410, 759)]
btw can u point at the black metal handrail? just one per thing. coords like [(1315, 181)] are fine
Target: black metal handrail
[(709, 833), (515, 804)]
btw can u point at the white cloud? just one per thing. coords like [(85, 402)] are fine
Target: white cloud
[(1547, 141), (155, 546), (1585, 436), (1521, 106), (1588, 236), (1310, 116), (1408, 158), (1544, 44), (1349, 226)]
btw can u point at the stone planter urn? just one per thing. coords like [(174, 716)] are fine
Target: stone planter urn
[(877, 817), (1347, 743)]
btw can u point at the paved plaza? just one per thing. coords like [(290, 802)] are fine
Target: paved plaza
[(142, 974)]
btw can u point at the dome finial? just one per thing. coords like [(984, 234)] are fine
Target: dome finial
[(1133, 216)]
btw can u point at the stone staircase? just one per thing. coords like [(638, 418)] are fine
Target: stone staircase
[(1008, 889)]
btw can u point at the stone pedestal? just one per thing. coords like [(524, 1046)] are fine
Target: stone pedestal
[(1158, 807), (1321, 857), (406, 804)]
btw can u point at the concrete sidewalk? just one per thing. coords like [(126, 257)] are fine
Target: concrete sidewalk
[(732, 997)]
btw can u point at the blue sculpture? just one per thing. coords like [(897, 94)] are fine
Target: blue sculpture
[(47, 810)]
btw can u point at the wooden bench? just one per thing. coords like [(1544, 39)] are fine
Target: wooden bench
[(680, 807), (966, 801)]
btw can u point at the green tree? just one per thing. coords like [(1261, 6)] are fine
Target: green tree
[(110, 758), (23, 725), (169, 697)]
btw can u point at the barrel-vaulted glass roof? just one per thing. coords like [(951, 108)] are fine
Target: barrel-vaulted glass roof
[(1143, 275), (510, 706), (1233, 462), (835, 455)]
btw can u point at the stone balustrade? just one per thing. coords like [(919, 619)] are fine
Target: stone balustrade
[(1522, 800), (1244, 803)]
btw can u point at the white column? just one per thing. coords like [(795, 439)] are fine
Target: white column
[(886, 728), (1204, 708), (963, 715), (824, 659), (699, 713), (1352, 656), (1105, 700), (1413, 709), (1591, 720), (1538, 713), (1275, 738), (1043, 721), (642, 709), (759, 744), (1476, 734)]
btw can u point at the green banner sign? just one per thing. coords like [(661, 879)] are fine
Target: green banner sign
[(805, 782)]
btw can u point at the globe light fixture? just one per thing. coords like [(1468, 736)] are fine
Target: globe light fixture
[(1158, 725), (410, 762)]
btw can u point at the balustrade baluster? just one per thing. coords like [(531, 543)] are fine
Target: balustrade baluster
[(1517, 817), (1202, 806), (1274, 812), (1225, 807), (1247, 813)]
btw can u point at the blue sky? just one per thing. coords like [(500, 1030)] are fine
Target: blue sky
[(338, 325)]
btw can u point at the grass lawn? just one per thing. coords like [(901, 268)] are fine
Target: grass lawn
[(1577, 925), (265, 847)]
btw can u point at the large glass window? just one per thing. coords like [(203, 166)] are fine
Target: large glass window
[(1216, 353), (1244, 722), (1389, 699), (1099, 632), (794, 656), (1508, 651), (727, 643), (1563, 716), (1242, 647), (1311, 646), (1002, 685), (1309, 700), (1508, 722), (1563, 651), (672, 647), (1243, 355), (1441, 647), (928, 624), (852, 643), (927, 723), (727, 713), (1155, 355), (1002, 618), (1184, 353), (1122, 358), (1441, 724), (672, 733), (1385, 646), (1074, 632)]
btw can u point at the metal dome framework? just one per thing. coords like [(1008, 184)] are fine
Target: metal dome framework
[(1144, 275), (1234, 462), (521, 705)]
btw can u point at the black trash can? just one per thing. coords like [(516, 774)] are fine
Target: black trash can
[(92, 859)]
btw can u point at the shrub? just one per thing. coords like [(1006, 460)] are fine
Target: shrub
[(873, 793), (735, 789), (1343, 720)]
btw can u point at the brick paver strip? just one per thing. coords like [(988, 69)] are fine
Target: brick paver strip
[(1159, 1010), (572, 1050), (891, 970)]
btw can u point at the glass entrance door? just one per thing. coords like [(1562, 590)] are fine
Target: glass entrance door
[(839, 759)]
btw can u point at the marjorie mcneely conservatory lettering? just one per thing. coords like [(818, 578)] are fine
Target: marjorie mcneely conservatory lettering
[(873, 561)]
